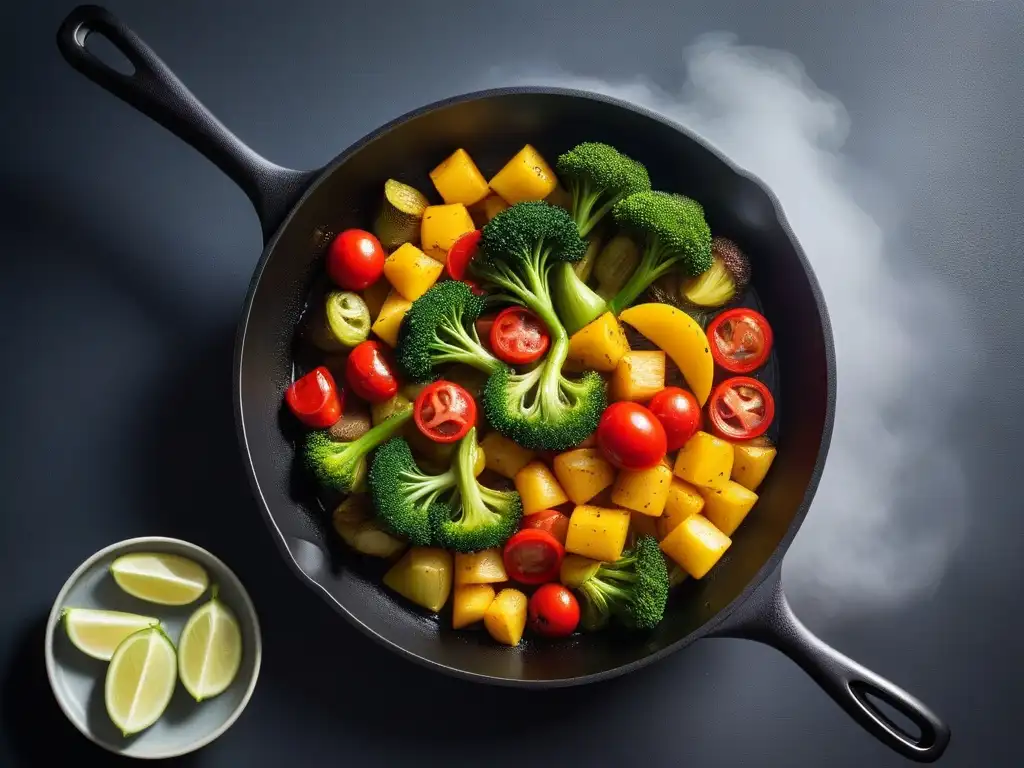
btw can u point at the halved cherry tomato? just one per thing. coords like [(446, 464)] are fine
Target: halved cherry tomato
[(518, 336), (444, 412), (740, 340), (370, 372), (553, 611), (549, 520), (461, 253), (315, 399), (679, 413), (631, 437), (741, 408), (355, 259), (533, 557)]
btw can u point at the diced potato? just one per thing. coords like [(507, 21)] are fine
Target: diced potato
[(683, 500), (643, 525), (751, 463), (643, 490), (598, 533), (353, 522), (505, 617), (638, 377), (538, 488), (727, 507), (375, 295), (600, 345), (458, 180), (411, 271), (576, 569), (390, 318), (383, 411), (583, 473), (487, 209), (484, 567), (705, 461), (504, 456), (561, 197), (527, 176), (696, 545), (470, 603), (424, 576), (442, 225)]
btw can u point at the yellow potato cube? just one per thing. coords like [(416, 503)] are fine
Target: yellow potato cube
[(643, 490), (643, 525), (727, 507), (389, 319), (597, 532), (751, 463), (487, 209), (375, 295), (696, 545), (561, 197), (705, 461), (683, 500), (424, 576), (638, 377), (505, 617), (484, 567), (600, 345), (504, 456), (527, 176), (411, 271), (576, 570), (583, 473), (538, 488), (458, 180), (470, 603), (442, 225)]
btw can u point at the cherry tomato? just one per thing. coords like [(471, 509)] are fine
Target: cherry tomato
[(549, 520), (315, 399), (519, 336), (355, 259), (444, 412), (553, 611), (741, 408), (459, 255), (631, 437), (740, 340), (678, 412), (533, 557), (370, 373)]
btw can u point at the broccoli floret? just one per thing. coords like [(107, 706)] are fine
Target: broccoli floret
[(633, 589), (479, 517), (598, 176), (341, 466), (440, 328), (406, 498)]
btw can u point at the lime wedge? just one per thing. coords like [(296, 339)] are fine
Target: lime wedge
[(98, 633), (140, 680), (160, 578), (209, 650)]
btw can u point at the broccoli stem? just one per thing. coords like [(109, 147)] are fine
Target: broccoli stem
[(473, 505), (578, 305), (464, 347), (377, 435), (650, 268)]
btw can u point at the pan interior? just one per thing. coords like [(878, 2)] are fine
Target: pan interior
[(492, 129)]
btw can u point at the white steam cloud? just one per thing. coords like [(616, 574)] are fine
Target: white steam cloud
[(891, 505)]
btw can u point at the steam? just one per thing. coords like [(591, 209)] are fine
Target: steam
[(890, 508)]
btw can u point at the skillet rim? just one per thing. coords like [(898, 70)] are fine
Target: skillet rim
[(770, 566)]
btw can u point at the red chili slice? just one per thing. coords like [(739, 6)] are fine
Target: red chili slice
[(315, 399), (444, 412), (518, 336), (741, 408), (740, 339)]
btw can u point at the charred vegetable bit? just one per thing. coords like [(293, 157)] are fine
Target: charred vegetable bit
[(727, 278), (342, 466), (633, 590)]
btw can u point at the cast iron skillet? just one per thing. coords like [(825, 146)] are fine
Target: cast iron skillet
[(299, 209)]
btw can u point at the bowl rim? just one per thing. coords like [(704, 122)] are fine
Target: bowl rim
[(54, 618)]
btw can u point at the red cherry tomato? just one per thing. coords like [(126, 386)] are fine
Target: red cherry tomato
[(370, 373), (631, 437), (315, 399), (355, 259), (741, 408), (549, 520), (519, 336), (553, 611), (444, 412), (459, 255), (740, 340), (533, 557), (678, 412)]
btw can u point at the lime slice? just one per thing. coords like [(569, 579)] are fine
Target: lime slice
[(160, 578), (209, 650), (140, 680), (98, 633)]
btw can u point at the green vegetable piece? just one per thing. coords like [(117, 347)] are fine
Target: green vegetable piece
[(348, 318)]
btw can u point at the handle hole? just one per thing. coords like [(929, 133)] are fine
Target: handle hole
[(100, 46), (889, 712)]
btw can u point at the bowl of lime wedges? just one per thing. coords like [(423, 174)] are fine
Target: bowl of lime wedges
[(153, 647)]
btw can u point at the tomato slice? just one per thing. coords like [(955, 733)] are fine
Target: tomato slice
[(550, 520), (740, 339), (459, 255), (533, 556), (553, 611), (741, 408), (518, 336), (444, 412), (315, 399)]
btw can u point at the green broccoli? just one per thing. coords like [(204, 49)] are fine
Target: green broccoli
[(440, 328), (633, 589), (478, 517), (405, 497), (341, 466)]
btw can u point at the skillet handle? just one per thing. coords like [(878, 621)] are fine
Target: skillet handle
[(155, 91), (768, 618)]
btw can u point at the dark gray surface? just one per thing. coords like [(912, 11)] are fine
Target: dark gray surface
[(126, 256)]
